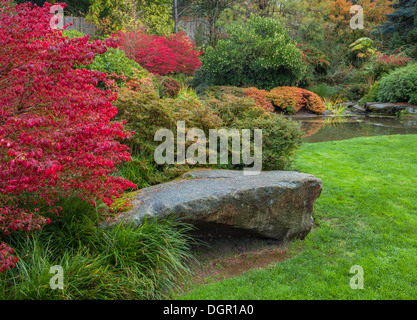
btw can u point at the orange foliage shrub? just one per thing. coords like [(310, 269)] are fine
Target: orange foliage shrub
[(261, 98), (288, 99), (376, 11), (314, 103), (292, 99)]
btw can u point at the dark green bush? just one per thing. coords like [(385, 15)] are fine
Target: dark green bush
[(325, 91), (354, 92), (381, 65), (117, 66), (371, 96), (316, 61), (145, 113), (113, 62), (231, 108), (258, 53), (399, 86), (281, 136)]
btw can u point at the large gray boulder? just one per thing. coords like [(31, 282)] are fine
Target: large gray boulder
[(390, 108), (274, 204)]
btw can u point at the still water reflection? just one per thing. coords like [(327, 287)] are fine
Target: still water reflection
[(319, 129)]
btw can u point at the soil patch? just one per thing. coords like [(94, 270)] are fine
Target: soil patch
[(222, 257)]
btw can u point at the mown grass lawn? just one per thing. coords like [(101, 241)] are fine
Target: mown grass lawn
[(366, 216)]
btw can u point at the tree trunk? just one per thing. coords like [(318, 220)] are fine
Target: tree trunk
[(176, 15)]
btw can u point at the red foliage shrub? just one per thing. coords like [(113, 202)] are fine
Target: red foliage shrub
[(162, 55), (7, 259), (56, 135), (383, 64), (396, 59), (292, 99), (260, 97)]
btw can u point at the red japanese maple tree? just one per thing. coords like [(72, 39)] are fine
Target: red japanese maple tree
[(57, 139), (162, 55)]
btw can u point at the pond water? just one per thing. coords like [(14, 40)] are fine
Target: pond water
[(319, 128)]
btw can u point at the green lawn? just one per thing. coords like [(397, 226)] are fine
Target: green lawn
[(366, 215)]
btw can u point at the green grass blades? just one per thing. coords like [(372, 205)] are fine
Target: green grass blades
[(365, 216), (155, 255), (117, 262)]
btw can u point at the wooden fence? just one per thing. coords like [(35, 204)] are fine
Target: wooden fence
[(80, 24), (193, 27)]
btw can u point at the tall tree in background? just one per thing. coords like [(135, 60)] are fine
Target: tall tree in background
[(74, 7), (403, 18), (128, 15), (333, 16), (207, 12), (401, 27), (215, 15)]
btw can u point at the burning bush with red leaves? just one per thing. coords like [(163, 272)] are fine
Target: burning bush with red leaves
[(57, 139), (171, 54)]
